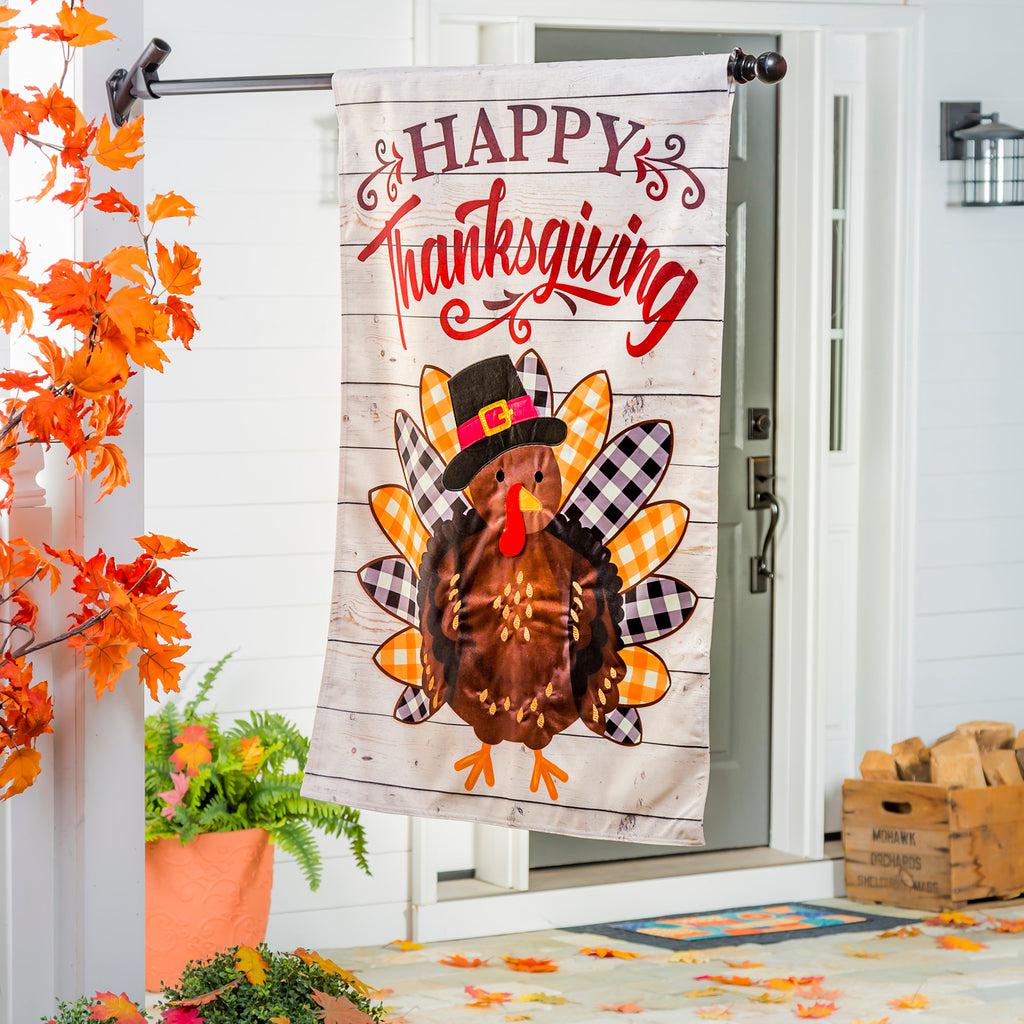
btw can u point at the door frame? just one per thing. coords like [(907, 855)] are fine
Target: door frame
[(503, 31)]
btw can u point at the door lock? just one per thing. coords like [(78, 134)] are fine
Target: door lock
[(760, 474), (759, 424)]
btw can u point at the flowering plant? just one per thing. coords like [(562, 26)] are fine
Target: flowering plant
[(201, 777)]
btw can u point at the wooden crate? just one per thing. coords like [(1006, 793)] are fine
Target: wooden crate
[(917, 845)]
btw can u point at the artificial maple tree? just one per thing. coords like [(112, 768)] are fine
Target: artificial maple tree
[(89, 326)]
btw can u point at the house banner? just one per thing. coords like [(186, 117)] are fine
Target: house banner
[(533, 265)]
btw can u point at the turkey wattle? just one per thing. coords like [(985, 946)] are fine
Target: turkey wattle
[(528, 545)]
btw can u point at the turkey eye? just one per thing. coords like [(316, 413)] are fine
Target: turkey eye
[(500, 475), (538, 476)]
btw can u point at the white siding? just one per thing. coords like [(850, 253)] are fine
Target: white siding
[(969, 635), (242, 433)]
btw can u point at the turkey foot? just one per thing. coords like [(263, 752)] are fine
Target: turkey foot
[(548, 771), (477, 763)]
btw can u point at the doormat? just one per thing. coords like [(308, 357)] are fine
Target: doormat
[(775, 923)]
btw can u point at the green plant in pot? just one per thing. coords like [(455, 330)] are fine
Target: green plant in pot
[(218, 800)]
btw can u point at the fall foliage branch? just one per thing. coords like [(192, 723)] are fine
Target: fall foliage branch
[(109, 318)]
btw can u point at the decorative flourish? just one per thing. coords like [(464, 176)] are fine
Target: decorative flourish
[(657, 187), (367, 196), (456, 312)]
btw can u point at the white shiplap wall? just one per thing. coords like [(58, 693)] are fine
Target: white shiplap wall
[(242, 433), (969, 635)]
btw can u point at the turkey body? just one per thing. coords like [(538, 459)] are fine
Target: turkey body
[(521, 647)]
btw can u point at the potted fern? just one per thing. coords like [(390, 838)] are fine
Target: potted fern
[(218, 800)]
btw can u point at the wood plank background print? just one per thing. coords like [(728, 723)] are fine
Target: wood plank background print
[(532, 267)]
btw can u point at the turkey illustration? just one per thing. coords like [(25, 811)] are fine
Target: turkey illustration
[(528, 547)]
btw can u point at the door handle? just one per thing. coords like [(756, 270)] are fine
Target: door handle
[(760, 474)]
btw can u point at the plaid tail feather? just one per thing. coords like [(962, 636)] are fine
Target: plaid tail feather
[(534, 375), (391, 584), (655, 608), (423, 468), (623, 725)]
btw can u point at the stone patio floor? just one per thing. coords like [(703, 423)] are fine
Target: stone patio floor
[(961, 986)]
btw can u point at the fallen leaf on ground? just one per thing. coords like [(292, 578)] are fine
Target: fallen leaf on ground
[(482, 998), (1009, 925), (518, 1016), (815, 991), (790, 983), (862, 954), (914, 1002), (770, 997), (530, 965), (623, 1008), (742, 965), (700, 993), (606, 953), (904, 932), (726, 979), (251, 964), (458, 960), (541, 997), (685, 956), (815, 1011), (405, 945), (877, 1020), (952, 919), (959, 942), (714, 1013)]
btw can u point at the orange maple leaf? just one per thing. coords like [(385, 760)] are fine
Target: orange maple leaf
[(17, 117), (952, 919), (193, 750), (14, 286), (121, 150), (169, 204), (18, 771), (904, 932), (183, 321), (107, 660), (129, 262), (247, 960), (158, 669), (252, 752), (1009, 925), (406, 945), (179, 273), (81, 27), (770, 997), (742, 965), (109, 461), (160, 546), (914, 1002), (120, 1009), (101, 371), (815, 1010), (330, 967), (530, 965), (623, 1008), (607, 953), (959, 942), (458, 960), (7, 34), (482, 998), (113, 201)]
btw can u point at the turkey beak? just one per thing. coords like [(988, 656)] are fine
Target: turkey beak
[(527, 502)]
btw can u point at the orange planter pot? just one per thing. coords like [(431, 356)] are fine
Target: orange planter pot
[(203, 897)]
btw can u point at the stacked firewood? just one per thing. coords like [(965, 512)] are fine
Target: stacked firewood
[(975, 754)]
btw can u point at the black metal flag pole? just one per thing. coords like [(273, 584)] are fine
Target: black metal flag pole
[(126, 87)]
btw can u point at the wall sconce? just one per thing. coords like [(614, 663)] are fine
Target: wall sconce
[(992, 154)]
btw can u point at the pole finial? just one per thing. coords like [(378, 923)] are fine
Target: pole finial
[(769, 67)]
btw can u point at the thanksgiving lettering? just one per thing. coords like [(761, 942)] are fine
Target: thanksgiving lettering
[(567, 256)]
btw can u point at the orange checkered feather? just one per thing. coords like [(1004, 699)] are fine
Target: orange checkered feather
[(587, 412), (396, 515), (646, 680), (642, 545), (399, 657), (438, 418)]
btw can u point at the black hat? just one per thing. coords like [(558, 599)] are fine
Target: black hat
[(493, 414)]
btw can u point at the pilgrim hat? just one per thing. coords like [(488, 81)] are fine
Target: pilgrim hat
[(493, 414)]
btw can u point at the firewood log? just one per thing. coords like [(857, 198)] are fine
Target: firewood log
[(1001, 768), (957, 762), (913, 763), (990, 735), (878, 766)]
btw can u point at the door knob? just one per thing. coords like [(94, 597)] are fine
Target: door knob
[(760, 474)]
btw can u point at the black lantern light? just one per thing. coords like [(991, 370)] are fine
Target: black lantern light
[(993, 163)]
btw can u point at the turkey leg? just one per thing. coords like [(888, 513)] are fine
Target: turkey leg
[(548, 771), (477, 763)]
